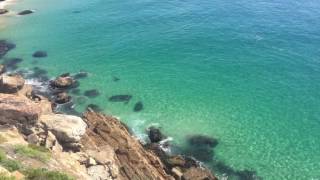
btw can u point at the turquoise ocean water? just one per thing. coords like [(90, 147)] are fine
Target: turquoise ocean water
[(246, 72)]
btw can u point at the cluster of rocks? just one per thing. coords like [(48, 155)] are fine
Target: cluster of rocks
[(102, 145), (179, 166)]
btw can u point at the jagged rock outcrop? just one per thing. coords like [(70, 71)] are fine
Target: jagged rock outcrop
[(18, 110), (11, 83), (133, 161), (67, 128)]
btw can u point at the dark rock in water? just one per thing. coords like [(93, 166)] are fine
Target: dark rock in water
[(62, 98), (25, 12), (75, 91), (12, 63), (94, 107), (3, 11), (40, 54), (80, 75), (92, 93), (201, 140), (115, 79), (2, 69), (120, 98), (64, 81), (155, 135), (138, 106), (5, 47)]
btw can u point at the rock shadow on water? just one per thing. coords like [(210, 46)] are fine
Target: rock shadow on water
[(120, 98), (138, 107), (202, 147), (92, 93)]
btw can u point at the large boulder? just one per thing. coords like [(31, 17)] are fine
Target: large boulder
[(63, 82), (11, 83), (155, 134), (18, 109), (67, 128)]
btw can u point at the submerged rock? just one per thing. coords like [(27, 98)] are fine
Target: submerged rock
[(5, 47), (155, 135), (11, 83), (115, 79), (92, 93), (25, 12), (138, 107), (81, 75), (12, 63), (40, 54), (120, 98), (200, 140)]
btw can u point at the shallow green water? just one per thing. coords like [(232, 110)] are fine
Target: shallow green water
[(245, 72)]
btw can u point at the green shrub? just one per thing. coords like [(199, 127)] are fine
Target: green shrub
[(33, 151), (44, 174), (9, 164)]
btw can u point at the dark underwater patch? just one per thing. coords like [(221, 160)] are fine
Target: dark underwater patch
[(75, 91), (40, 54), (5, 47), (80, 75), (92, 93), (115, 79), (138, 107), (12, 63), (120, 98)]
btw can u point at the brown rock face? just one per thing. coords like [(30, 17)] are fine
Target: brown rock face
[(11, 83), (198, 173), (16, 109), (133, 161)]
